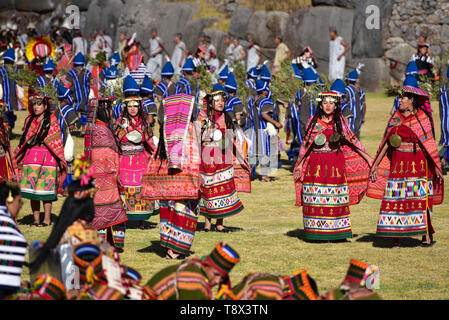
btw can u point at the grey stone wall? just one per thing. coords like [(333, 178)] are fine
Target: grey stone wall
[(401, 22)]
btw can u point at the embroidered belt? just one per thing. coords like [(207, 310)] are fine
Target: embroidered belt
[(409, 147), (132, 150)]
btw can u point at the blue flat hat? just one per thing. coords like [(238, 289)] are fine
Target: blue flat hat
[(261, 86), (49, 66), (115, 59), (412, 69), (352, 76), (253, 73), (63, 92), (168, 69), (339, 87), (9, 55), (147, 85), (223, 75), (130, 85), (79, 59), (218, 87), (265, 73), (111, 72), (188, 65), (231, 83), (309, 76)]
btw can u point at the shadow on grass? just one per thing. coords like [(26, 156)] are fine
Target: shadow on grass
[(29, 219), (134, 224), (300, 234), (380, 242), (156, 248), (200, 228)]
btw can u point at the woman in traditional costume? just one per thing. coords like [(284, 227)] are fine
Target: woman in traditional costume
[(40, 158), (219, 197), (134, 135), (406, 172), (331, 172), (103, 153), (8, 165)]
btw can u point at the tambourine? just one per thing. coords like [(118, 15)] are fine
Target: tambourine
[(395, 140), (216, 135), (134, 136), (320, 140), (335, 138)]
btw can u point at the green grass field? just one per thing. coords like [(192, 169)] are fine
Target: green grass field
[(268, 233)]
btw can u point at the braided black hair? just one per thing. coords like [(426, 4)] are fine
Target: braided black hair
[(72, 210), (337, 123), (45, 127)]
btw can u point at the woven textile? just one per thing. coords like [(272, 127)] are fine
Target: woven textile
[(115, 235), (177, 113), (426, 142), (178, 225), (408, 197), (223, 258), (161, 183), (39, 180), (53, 142), (255, 286), (356, 168), (49, 288), (187, 281), (105, 161), (299, 286)]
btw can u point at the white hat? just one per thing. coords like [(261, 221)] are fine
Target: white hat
[(14, 27), (31, 25)]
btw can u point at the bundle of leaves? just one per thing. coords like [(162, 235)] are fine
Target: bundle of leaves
[(23, 77), (98, 61), (205, 78), (48, 91)]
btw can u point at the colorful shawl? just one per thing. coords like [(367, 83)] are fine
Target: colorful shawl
[(133, 59), (109, 210), (10, 158), (177, 113), (53, 142), (428, 144), (357, 169)]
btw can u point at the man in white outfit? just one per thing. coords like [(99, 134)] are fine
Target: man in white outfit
[(154, 65), (239, 53), (254, 54), (179, 54), (337, 50), (107, 43)]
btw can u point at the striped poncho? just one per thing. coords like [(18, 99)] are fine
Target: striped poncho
[(13, 249)]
